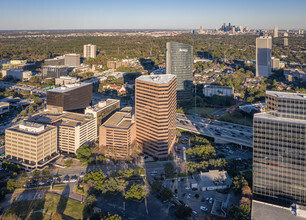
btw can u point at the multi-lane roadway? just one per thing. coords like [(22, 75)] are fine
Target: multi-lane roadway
[(221, 131)]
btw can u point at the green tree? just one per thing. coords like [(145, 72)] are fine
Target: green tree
[(83, 153), (239, 212), (182, 212), (166, 194), (111, 217), (45, 172), (35, 79), (89, 204), (23, 113), (136, 192), (31, 110), (139, 171), (156, 186), (36, 173), (238, 183), (50, 81), (11, 184), (169, 170)]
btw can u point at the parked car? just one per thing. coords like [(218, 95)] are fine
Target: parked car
[(66, 179), (203, 208), (195, 213), (82, 174)]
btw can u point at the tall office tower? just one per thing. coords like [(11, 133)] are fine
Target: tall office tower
[(263, 56), (179, 61), (31, 145), (279, 151), (70, 97), (275, 33), (286, 42), (201, 29), (90, 51), (155, 108)]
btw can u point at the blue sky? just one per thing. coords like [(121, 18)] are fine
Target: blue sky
[(163, 14)]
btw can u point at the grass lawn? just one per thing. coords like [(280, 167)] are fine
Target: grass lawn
[(70, 209), (202, 111), (243, 120), (63, 205)]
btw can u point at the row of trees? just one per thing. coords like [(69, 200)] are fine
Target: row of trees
[(97, 181)]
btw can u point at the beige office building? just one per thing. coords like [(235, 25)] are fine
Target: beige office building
[(155, 106), (31, 145), (118, 134), (90, 51), (65, 80), (103, 110), (74, 129)]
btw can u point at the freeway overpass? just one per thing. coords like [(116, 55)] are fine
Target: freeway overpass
[(222, 132)]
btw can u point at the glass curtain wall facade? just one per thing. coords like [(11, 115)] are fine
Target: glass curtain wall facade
[(279, 150), (179, 61)]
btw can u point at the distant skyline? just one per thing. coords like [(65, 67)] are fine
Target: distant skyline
[(158, 14)]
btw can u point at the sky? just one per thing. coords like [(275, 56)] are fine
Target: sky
[(144, 14)]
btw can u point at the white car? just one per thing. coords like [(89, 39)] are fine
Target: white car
[(203, 208), (188, 188)]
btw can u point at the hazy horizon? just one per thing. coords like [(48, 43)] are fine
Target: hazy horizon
[(136, 14)]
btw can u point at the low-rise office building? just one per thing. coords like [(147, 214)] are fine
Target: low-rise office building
[(211, 90), (17, 74), (70, 97), (72, 59), (293, 74), (214, 179), (31, 145), (118, 134), (64, 80), (117, 64), (56, 61), (103, 110), (54, 71), (74, 130)]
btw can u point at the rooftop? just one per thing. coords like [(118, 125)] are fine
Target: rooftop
[(69, 87), (158, 79), (266, 211), (122, 119), (57, 67), (265, 115), (65, 119), (215, 177), (287, 95), (217, 86), (102, 105), (31, 128)]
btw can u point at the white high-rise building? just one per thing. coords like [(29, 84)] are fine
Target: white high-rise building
[(263, 56), (90, 51), (275, 32)]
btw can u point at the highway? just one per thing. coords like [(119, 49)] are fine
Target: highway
[(221, 131)]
